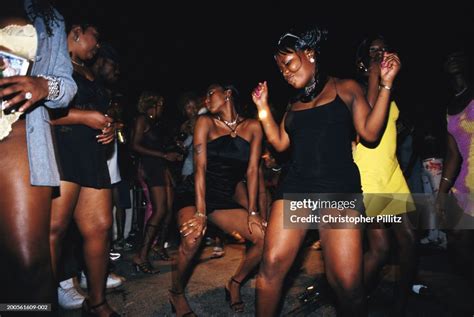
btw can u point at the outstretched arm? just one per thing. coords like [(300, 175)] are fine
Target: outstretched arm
[(253, 167)]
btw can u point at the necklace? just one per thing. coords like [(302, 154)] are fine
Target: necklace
[(77, 63), (232, 125), (461, 92), (314, 88)]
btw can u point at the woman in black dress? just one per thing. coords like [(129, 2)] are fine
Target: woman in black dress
[(148, 141), (85, 191), (226, 149), (318, 128)]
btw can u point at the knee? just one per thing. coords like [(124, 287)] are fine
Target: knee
[(380, 249), (32, 262), (258, 240), (271, 266), (58, 229), (100, 226), (190, 245), (406, 239), (349, 286)]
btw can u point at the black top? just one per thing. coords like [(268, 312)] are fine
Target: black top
[(82, 159), (154, 168), (227, 162), (321, 152)]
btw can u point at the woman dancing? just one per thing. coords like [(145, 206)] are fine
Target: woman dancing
[(226, 148), (148, 141), (85, 191), (381, 174), (318, 125)]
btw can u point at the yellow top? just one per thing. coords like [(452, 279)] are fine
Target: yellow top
[(381, 174)]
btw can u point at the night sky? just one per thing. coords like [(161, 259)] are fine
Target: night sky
[(181, 47)]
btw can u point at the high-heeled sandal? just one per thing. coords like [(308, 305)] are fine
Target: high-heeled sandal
[(173, 308), (233, 306), (87, 311), (162, 253), (145, 267)]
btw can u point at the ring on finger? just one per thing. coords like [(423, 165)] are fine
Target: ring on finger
[(28, 95)]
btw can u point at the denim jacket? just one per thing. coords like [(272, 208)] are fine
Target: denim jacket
[(51, 59)]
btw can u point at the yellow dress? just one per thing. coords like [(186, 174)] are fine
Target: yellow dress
[(385, 189)]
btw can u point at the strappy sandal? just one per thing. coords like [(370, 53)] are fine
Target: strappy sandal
[(173, 308), (87, 311), (145, 267), (161, 253), (234, 306)]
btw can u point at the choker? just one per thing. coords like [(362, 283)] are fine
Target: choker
[(312, 89)]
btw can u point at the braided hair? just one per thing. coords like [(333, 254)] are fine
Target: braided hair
[(44, 10)]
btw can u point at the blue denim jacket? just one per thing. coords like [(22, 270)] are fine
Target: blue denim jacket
[(52, 59)]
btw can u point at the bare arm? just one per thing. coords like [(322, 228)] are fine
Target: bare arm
[(450, 166), (369, 122), (253, 166), (91, 118), (262, 192), (276, 135), (201, 132), (373, 88)]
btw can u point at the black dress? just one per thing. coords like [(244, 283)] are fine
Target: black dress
[(154, 168), (321, 153), (82, 159), (227, 162)]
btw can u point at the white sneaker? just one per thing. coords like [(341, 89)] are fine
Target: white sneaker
[(68, 296), (113, 281)]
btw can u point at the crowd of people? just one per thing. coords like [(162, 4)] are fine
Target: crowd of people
[(71, 156)]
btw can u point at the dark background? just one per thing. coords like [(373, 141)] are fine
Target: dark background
[(183, 45)]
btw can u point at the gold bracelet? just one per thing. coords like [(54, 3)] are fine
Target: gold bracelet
[(200, 214)]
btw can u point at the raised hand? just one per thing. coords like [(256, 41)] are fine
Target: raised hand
[(260, 95), (389, 68)]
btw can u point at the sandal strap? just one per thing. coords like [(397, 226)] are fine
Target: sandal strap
[(98, 305), (235, 281), (145, 266), (174, 292), (236, 303)]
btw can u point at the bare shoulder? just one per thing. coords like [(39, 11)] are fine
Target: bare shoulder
[(347, 85), (203, 119), (253, 125)]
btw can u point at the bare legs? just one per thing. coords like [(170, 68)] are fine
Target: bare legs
[(280, 250), (25, 264), (229, 221), (376, 256), (343, 264), (165, 224), (93, 215), (158, 200)]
